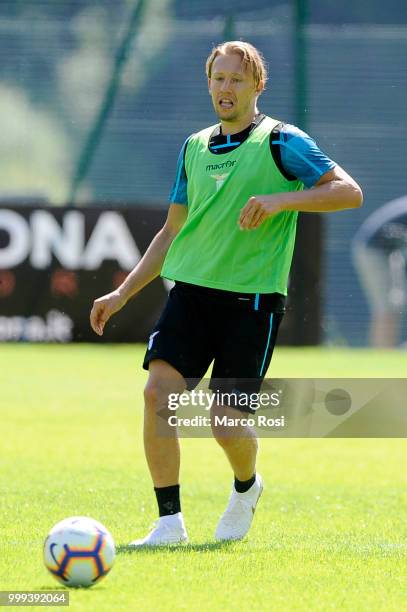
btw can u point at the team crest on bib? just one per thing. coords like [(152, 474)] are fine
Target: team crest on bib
[(220, 179)]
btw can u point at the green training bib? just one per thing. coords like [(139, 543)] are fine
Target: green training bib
[(210, 249)]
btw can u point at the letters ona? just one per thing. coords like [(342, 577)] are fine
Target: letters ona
[(41, 237)]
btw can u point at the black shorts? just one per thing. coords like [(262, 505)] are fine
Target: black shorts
[(237, 331)]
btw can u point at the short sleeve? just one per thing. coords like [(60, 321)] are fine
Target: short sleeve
[(179, 193), (301, 157)]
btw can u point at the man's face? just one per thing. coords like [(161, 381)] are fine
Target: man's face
[(232, 88)]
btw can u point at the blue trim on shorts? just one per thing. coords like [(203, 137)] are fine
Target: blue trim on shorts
[(256, 301), (267, 345)]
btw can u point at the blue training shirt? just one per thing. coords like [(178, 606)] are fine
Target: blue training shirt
[(301, 159)]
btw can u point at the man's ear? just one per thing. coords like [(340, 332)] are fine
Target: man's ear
[(260, 87), (209, 85)]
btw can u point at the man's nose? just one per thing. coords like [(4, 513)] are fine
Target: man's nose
[(226, 85)]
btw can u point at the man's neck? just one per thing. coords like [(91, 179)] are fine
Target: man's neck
[(234, 127)]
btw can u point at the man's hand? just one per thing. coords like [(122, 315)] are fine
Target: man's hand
[(257, 209), (103, 308)]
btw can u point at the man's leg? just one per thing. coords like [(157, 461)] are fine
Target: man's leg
[(386, 321), (239, 442), (246, 342), (240, 445), (382, 276), (162, 451), (163, 454), (384, 330)]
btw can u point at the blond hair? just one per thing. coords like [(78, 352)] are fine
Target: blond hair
[(252, 58)]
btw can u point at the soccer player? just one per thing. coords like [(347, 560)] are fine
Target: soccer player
[(380, 257), (227, 243)]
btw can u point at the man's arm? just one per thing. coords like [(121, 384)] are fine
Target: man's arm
[(148, 268), (335, 190)]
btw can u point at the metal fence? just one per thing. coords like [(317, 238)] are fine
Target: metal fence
[(56, 71)]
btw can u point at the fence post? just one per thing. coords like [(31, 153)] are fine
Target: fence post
[(88, 151), (307, 269)]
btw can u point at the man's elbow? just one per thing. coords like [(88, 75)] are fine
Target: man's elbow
[(355, 195), (358, 197)]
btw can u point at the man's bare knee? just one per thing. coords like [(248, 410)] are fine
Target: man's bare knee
[(153, 395), (163, 380), (229, 435)]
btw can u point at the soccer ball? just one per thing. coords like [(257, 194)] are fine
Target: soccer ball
[(79, 551)]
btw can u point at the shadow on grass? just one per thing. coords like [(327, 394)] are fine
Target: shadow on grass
[(69, 589), (53, 587), (183, 548)]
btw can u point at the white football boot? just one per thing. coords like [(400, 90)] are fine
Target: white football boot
[(238, 516), (167, 530)]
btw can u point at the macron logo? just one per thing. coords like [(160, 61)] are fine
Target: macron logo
[(222, 166)]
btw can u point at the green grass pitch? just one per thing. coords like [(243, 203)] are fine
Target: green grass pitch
[(329, 534)]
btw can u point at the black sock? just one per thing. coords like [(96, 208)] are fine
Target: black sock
[(242, 486), (168, 500)]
